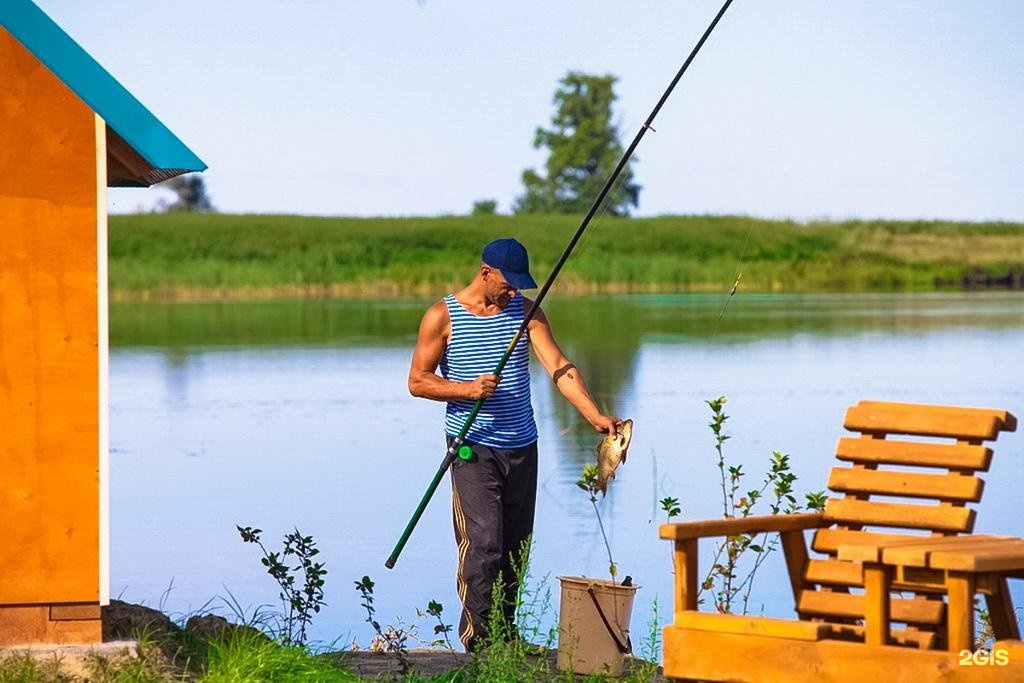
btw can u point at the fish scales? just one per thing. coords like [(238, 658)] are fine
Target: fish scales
[(611, 453)]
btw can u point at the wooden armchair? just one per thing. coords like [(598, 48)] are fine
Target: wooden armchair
[(878, 501)]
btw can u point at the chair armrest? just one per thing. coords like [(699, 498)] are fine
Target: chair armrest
[(733, 526)]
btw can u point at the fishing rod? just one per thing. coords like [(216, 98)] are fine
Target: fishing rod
[(456, 448)]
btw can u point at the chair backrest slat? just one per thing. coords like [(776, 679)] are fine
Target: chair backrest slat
[(944, 487), (907, 418), (959, 456), (851, 512)]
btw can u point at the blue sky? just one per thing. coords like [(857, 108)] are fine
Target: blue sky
[(799, 109)]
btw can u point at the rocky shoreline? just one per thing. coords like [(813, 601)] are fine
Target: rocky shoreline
[(124, 621)]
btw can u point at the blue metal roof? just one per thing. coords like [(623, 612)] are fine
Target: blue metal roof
[(164, 155)]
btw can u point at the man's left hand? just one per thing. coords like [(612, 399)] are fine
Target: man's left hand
[(609, 424)]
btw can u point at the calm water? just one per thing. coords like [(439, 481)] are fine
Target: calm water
[(287, 414)]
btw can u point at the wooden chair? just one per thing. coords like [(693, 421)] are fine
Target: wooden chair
[(877, 500)]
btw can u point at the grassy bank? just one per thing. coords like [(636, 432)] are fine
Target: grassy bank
[(201, 256)]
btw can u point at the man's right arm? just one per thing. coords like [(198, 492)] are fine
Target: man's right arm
[(424, 381)]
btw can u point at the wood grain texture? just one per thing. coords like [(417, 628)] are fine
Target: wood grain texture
[(49, 358)]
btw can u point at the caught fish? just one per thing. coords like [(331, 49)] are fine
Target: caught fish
[(610, 453)]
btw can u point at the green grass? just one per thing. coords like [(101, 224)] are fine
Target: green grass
[(243, 657), (246, 658), (25, 669), (209, 255)]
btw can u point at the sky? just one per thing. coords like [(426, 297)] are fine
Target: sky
[(799, 109)]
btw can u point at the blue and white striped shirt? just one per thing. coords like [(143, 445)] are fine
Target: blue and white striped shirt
[(474, 348)]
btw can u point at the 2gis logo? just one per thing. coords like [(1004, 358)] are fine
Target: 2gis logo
[(984, 658)]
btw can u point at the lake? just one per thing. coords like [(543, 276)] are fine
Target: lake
[(296, 414)]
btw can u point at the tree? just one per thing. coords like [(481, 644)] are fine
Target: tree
[(191, 191), (485, 207), (584, 148)]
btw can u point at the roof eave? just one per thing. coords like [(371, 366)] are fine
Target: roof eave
[(165, 156)]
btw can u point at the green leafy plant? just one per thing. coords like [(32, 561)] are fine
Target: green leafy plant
[(300, 602), (390, 638), (435, 609), (510, 650), (588, 483), (723, 578), (671, 508), (648, 665)]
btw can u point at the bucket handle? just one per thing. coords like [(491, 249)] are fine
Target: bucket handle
[(624, 647)]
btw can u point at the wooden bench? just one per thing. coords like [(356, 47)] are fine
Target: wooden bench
[(877, 500)]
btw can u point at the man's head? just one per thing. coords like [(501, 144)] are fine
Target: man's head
[(509, 256)]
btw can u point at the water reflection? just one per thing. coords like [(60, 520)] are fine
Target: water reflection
[(610, 324), (296, 413)]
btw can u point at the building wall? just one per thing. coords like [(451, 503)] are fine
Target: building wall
[(50, 349)]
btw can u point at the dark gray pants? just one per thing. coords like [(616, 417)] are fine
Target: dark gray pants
[(493, 499)]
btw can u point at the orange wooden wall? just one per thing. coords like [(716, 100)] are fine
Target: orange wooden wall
[(50, 193)]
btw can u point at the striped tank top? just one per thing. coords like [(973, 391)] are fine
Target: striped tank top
[(474, 348)]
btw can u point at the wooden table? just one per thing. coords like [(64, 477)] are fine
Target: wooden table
[(956, 565)]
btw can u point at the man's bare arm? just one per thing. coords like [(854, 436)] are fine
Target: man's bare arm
[(566, 376), (424, 381)]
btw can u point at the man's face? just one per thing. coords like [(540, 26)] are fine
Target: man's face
[(499, 291)]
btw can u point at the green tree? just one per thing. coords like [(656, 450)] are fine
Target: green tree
[(485, 207), (191, 191), (584, 148)]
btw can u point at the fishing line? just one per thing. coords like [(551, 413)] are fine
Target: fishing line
[(454, 450), (599, 219), (736, 283), (645, 537)]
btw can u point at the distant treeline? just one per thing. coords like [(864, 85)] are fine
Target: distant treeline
[(199, 256)]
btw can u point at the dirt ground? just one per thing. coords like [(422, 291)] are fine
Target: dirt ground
[(425, 663)]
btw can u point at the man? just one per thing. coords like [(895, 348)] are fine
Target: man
[(495, 491)]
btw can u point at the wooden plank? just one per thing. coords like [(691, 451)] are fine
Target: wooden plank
[(125, 165), (960, 589), (23, 625), (850, 512), (1007, 418), (858, 552), (834, 573), (685, 563), (75, 612), (946, 487), (991, 556), (959, 456), (731, 526), (707, 656), (905, 637), (922, 554), (829, 540), (771, 627), (794, 548), (849, 606), (876, 604), (906, 551), (920, 580), (829, 572), (967, 424)]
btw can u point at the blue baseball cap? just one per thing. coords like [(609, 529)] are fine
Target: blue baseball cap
[(509, 256)]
